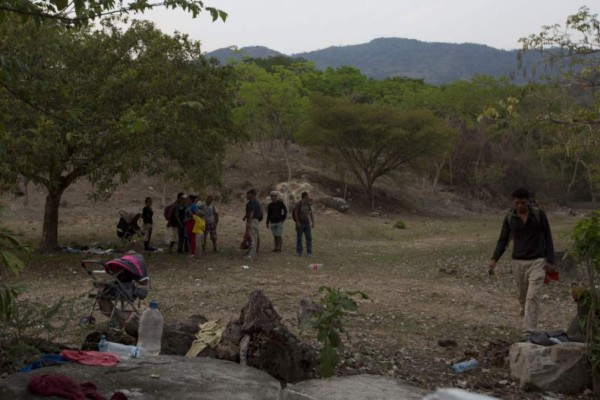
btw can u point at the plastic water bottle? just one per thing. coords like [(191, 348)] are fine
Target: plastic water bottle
[(315, 266), (150, 330), (103, 344), (465, 366), (122, 350)]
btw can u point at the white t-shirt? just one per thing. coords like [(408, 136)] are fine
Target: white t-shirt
[(209, 213)]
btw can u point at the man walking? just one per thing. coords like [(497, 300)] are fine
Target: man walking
[(305, 221), (252, 217), (532, 256), (211, 217), (276, 214)]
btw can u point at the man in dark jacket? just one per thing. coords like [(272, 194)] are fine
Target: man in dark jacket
[(252, 217), (276, 214), (532, 256)]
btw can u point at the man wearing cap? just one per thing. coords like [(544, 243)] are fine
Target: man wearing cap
[(252, 217), (276, 214)]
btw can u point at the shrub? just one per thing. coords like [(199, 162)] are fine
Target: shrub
[(399, 224)]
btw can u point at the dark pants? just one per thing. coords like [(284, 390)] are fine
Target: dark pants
[(303, 229)]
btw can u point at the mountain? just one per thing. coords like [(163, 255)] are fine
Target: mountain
[(227, 53), (436, 63)]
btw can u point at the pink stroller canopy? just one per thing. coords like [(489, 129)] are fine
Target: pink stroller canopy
[(133, 263)]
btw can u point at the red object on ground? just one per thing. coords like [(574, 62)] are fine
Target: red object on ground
[(90, 357), (65, 387), (551, 276)]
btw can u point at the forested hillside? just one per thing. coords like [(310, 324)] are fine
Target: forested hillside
[(435, 63)]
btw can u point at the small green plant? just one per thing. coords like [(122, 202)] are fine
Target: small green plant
[(328, 323), (9, 293), (586, 247), (399, 224)]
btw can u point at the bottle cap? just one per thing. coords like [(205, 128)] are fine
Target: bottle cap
[(153, 304)]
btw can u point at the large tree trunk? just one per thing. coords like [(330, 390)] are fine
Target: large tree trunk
[(50, 228)]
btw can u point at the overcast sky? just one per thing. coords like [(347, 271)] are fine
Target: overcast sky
[(295, 26)]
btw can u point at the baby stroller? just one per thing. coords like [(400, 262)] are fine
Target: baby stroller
[(127, 227), (116, 285)]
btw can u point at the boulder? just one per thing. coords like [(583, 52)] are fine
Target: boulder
[(161, 377), (562, 368), (357, 387), (269, 345), (336, 203)]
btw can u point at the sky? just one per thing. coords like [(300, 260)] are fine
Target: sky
[(296, 26)]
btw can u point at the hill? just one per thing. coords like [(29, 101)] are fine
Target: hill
[(436, 63)]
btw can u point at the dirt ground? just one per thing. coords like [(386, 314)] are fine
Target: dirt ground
[(427, 283)]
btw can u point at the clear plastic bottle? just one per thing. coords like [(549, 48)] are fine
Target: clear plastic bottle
[(103, 344), (465, 366), (122, 350), (315, 266), (150, 330)]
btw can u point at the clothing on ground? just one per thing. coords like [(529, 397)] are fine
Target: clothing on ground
[(67, 388), (90, 357)]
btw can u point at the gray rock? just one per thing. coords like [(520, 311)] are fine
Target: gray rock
[(272, 347), (162, 377), (562, 368), (336, 203), (357, 387)]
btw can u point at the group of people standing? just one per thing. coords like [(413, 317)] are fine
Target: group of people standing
[(277, 213), (190, 223)]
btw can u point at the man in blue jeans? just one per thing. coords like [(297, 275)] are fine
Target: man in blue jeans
[(305, 221)]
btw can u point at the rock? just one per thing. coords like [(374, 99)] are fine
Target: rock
[(176, 339), (307, 308), (457, 394), (272, 347), (562, 368), (336, 203), (161, 377), (567, 266), (357, 387)]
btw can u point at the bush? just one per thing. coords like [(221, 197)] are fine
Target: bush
[(399, 224)]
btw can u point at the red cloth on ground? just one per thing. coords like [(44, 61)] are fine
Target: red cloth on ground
[(63, 386), (55, 385), (90, 357), (550, 276)]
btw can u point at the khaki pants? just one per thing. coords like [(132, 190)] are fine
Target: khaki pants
[(254, 237), (529, 276)]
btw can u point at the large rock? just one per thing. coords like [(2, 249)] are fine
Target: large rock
[(162, 377), (269, 345), (336, 203), (357, 387), (562, 368)]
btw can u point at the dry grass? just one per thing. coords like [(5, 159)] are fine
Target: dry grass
[(427, 282)]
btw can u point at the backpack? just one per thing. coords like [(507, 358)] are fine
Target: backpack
[(168, 211)]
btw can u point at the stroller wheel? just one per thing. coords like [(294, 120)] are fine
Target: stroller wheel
[(84, 321)]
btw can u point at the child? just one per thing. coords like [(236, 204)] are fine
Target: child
[(147, 214), (199, 227)]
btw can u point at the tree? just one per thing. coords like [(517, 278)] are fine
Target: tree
[(572, 110), (81, 12), (374, 140), (105, 104), (272, 105)]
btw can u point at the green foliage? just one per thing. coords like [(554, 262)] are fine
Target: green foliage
[(374, 140), (586, 247), (82, 12), (106, 104), (399, 224), (328, 323), (586, 239), (9, 293), (31, 319)]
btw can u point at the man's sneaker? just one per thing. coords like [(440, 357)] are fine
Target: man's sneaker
[(309, 255), (248, 257), (298, 254)]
